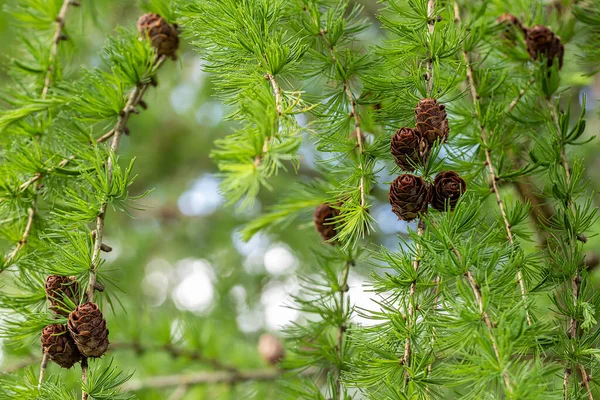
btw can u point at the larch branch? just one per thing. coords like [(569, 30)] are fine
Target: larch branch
[(492, 174)]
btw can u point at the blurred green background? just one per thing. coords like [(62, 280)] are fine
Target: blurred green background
[(179, 270)]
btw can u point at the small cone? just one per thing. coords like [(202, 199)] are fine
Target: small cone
[(324, 219), (408, 148), (88, 329), (432, 121), (448, 186), (270, 349), (59, 345), (58, 289), (163, 36), (542, 41), (409, 196)]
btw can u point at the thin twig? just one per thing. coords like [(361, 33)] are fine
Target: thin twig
[(84, 376), (486, 319), (202, 378), (493, 177), (119, 129), (522, 92), (363, 201), (279, 107), (133, 101), (576, 280), (43, 367), (30, 217), (56, 39), (411, 305)]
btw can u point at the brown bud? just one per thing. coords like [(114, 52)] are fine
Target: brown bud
[(325, 222), (408, 148), (541, 41), (58, 290), (432, 121), (270, 348), (163, 36), (59, 345), (447, 188), (409, 195), (88, 329)]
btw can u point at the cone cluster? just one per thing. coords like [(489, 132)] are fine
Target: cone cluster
[(84, 335), (540, 40), (163, 36), (410, 195)]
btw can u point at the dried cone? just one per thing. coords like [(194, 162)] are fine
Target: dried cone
[(324, 218), (542, 41), (270, 348), (447, 188), (511, 26), (58, 289), (88, 328), (409, 195), (163, 36), (408, 148), (432, 121), (59, 345)]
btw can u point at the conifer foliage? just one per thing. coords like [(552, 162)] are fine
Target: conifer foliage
[(461, 119)]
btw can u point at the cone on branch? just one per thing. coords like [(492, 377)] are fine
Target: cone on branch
[(88, 329), (325, 222), (409, 196), (163, 36), (408, 148), (541, 41), (448, 186), (511, 25), (58, 290), (59, 345), (270, 349), (432, 121)]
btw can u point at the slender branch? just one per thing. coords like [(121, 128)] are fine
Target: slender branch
[(486, 319), (342, 328), (119, 129), (84, 376), (431, 28), (175, 352), (576, 280), (135, 97), (353, 113), (31, 216), (522, 92), (492, 175), (56, 39), (411, 306), (43, 367), (279, 106), (202, 378)]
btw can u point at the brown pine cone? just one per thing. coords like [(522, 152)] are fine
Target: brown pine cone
[(409, 195), (511, 25), (88, 328), (432, 121), (408, 148), (542, 41), (270, 348), (58, 289), (163, 36), (325, 223), (447, 187), (59, 345)]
